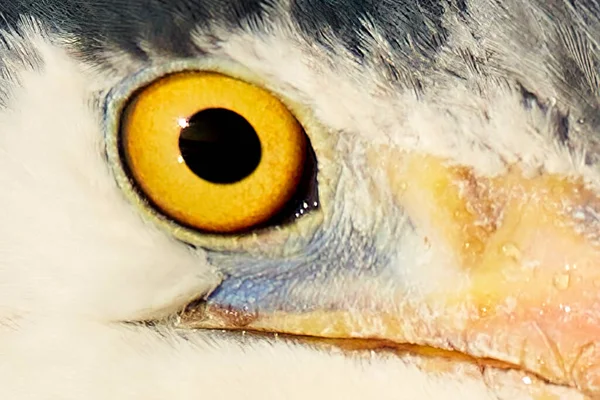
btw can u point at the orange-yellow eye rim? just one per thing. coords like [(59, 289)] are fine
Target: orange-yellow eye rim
[(150, 137)]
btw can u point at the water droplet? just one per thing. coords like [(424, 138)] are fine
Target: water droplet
[(400, 187), (473, 245), (483, 312), (527, 380), (561, 281), (569, 267), (511, 250), (564, 307)]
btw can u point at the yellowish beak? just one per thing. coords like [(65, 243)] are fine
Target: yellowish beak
[(521, 262)]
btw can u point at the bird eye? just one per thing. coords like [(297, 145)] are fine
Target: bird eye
[(213, 152)]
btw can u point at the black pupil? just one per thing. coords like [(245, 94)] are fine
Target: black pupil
[(220, 146)]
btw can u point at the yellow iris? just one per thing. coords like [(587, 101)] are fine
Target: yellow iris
[(243, 151)]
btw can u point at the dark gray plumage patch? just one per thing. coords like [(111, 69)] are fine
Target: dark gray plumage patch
[(403, 24), (165, 25)]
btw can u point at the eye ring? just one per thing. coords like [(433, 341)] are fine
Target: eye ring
[(319, 144)]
